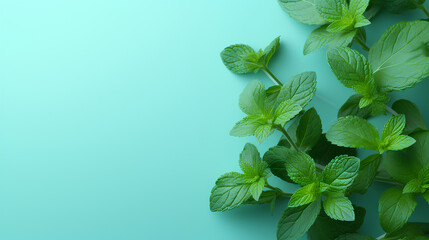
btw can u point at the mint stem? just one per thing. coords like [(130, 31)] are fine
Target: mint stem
[(363, 45), (387, 180), (281, 129), (420, 6), (271, 76), (391, 111)]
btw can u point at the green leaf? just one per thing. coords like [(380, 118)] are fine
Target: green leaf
[(276, 159), (295, 222), (399, 6), (351, 107), (354, 236), (339, 208), (300, 88), (413, 186), (251, 163), (263, 131), (341, 172), (395, 209), (324, 151), (309, 130), (358, 6), (352, 131), (302, 11), (394, 126), (405, 165), (426, 196), (230, 191), (247, 126), (321, 37), (400, 58), (270, 50), (286, 111), (305, 195), (272, 93), (241, 58), (330, 10), (352, 70), (256, 188), (300, 167), (410, 231), (326, 228), (366, 175), (395, 143), (264, 198), (252, 99), (415, 122)]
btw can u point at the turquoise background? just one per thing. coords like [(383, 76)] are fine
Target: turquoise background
[(115, 116)]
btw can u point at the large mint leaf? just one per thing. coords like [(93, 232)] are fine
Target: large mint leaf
[(230, 191), (300, 88), (303, 11)]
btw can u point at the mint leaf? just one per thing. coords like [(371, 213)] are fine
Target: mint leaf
[(263, 131), (366, 174), (352, 131), (351, 107), (302, 11), (300, 88), (276, 159), (341, 172), (399, 6), (230, 191), (338, 207), (264, 198), (415, 122), (395, 143), (410, 231), (330, 10), (309, 130), (321, 37), (413, 186), (256, 188), (400, 57), (270, 50), (252, 99), (395, 209), (426, 196), (394, 126), (305, 195), (353, 71), (300, 167), (247, 126), (241, 58), (251, 163), (326, 228), (295, 222), (405, 165), (286, 111), (358, 6)]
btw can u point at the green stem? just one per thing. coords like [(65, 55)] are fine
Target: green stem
[(281, 129), (362, 44), (267, 185), (391, 111), (271, 76), (420, 6), (389, 181)]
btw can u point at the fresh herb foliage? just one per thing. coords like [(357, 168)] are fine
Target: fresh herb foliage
[(324, 165)]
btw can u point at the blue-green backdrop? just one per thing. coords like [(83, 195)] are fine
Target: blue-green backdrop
[(115, 114)]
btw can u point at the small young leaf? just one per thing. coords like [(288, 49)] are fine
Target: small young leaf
[(286, 111), (426, 196), (251, 163), (303, 11), (295, 222), (247, 126), (300, 88), (276, 159), (413, 186), (230, 191), (415, 122), (394, 126), (252, 99), (341, 172), (270, 50), (309, 130), (352, 131), (367, 172), (395, 209), (400, 57), (339, 208), (321, 37), (351, 107), (395, 143), (256, 188), (305, 195), (300, 167), (241, 58)]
